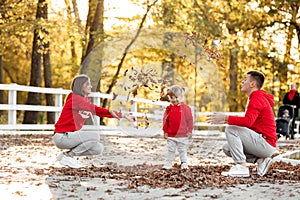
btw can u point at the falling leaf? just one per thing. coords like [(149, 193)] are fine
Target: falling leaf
[(114, 96)]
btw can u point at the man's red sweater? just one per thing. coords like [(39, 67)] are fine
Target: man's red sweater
[(76, 111), (259, 116), (178, 120)]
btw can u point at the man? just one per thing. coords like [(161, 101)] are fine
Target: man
[(251, 138)]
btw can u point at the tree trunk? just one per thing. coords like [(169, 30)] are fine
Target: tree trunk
[(31, 117), (96, 33), (48, 73), (290, 33), (2, 15), (1, 82), (233, 71), (72, 37)]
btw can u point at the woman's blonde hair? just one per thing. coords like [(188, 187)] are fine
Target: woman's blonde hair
[(78, 83)]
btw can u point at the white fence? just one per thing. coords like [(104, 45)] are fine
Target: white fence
[(12, 107)]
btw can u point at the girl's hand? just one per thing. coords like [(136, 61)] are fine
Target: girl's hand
[(189, 135), (166, 135)]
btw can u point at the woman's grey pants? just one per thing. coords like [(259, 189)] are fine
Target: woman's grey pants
[(80, 143), (245, 145)]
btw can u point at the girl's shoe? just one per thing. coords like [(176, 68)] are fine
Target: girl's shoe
[(167, 166), (184, 165)]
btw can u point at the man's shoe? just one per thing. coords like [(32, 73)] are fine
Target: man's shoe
[(184, 165), (69, 161), (237, 171), (263, 165)]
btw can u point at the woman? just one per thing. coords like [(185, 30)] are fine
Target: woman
[(77, 109)]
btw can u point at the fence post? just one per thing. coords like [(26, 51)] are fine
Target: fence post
[(134, 109), (12, 101), (97, 101), (58, 103)]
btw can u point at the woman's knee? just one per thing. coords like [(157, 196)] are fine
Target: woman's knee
[(226, 149)]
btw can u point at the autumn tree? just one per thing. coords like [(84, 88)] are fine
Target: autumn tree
[(31, 117)]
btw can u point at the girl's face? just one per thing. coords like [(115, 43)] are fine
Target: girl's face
[(174, 100), (87, 88)]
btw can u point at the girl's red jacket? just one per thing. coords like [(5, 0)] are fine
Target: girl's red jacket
[(178, 120), (259, 116), (76, 111)]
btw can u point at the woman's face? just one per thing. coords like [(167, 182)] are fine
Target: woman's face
[(87, 88)]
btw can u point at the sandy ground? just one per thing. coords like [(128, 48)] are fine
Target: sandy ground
[(130, 168)]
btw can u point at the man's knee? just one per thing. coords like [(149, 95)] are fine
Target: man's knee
[(232, 130), (98, 149)]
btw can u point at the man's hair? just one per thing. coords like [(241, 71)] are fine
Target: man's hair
[(258, 77), (78, 83)]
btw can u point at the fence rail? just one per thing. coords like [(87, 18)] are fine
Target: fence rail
[(12, 107)]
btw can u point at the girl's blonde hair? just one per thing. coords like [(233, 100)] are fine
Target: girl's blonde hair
[(78, 83), (177, 91)]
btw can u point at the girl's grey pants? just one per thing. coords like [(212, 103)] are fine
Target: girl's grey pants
[(181, 144), (80, 143), (245, 145)]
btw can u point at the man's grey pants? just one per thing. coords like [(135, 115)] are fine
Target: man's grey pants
[(245, 145), (80, 143)]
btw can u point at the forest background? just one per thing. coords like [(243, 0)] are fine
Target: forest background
[(46, 43)]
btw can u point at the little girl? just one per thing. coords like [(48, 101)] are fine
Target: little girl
[(178, 125), (77, 109)]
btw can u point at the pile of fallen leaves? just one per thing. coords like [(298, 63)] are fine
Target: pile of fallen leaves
[(7, 140), (196, 177)]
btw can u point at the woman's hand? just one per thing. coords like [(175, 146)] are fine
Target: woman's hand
[(116, 114), (129, 117), (119, 115)]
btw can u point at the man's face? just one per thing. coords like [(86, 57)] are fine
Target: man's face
[(247, 84)]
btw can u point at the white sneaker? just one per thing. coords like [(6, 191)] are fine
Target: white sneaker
[(263, 165), (237, 171), (69, 161), (184, 165), (60, 156), (167, 166)]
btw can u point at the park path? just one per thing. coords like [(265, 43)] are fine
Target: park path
[(127, 167)]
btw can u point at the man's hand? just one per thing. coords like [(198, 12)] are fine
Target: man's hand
[(217, 118), (189, 135)]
